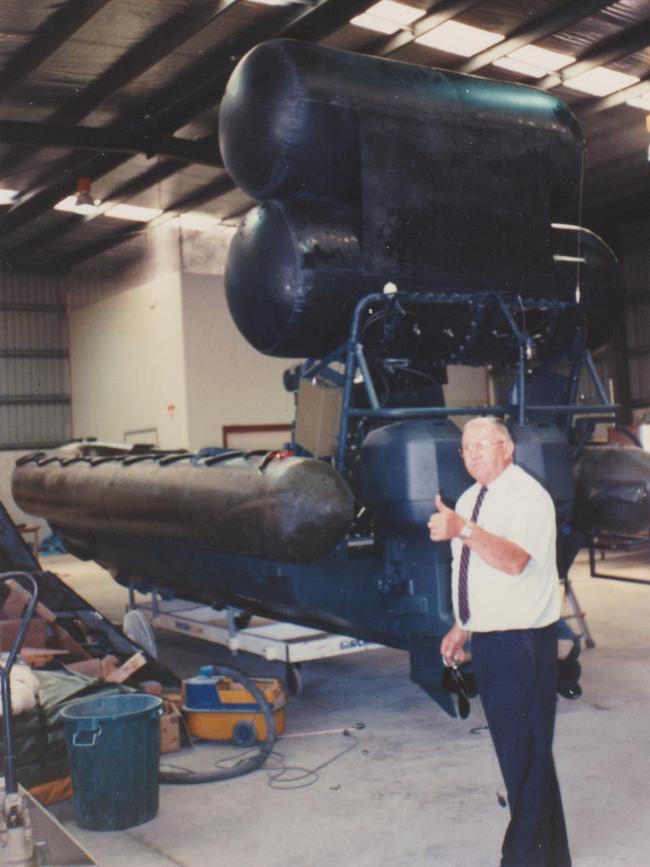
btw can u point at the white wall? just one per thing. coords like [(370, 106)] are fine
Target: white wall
[(126, 351), (228, 382), (158, 334)]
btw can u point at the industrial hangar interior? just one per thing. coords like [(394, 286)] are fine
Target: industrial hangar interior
[(442, 207)]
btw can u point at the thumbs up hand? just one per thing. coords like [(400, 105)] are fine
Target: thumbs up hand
[(440, 506), (444, 524)]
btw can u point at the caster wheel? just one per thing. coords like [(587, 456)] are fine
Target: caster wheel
[(242, 620), (243, 734), (294, 680)]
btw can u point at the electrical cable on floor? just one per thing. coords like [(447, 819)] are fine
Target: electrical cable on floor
[(299, 778), (294, 777)]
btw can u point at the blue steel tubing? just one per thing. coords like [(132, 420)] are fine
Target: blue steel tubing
[(350, 370), (11, 783), (524, 341), (354, 351), (367, 379), (521, 386), (313, 366), (591, 367), (579, 347), (508, 409)]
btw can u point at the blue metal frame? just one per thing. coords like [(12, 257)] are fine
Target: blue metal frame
[(352, 356)]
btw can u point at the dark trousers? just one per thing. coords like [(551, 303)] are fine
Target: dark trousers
[(516, 675)]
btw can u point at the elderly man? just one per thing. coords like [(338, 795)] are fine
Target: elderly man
[(507, 597)]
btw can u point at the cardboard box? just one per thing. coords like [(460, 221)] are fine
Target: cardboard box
[(170, 730), (318, 417)]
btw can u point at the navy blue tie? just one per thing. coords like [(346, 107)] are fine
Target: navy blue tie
[(463, 601)]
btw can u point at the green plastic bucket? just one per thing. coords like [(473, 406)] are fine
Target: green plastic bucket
[(114, 747)]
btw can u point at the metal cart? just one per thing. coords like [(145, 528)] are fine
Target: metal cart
[(273, 640)]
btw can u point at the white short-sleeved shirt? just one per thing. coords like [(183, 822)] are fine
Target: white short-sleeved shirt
[(519, 509)]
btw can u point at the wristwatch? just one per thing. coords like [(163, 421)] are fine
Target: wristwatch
[(466, 532)]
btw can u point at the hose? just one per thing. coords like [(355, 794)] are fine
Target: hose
[(252, 763), (11, 780)]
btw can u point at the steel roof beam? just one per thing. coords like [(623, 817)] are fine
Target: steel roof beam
[(192, 200), (199, 88), (323, 18), (109, 140), (159, 114), (533, 29), (622, 44), (48, 38), (24, 252), (166, 37)]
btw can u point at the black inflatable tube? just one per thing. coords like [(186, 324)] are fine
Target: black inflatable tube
[(291, 509), (290, 117), (296, 268)]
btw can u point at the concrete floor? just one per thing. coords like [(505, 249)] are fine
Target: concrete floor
[(414, 786)]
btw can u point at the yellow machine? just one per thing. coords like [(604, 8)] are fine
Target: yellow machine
[(219, 709)]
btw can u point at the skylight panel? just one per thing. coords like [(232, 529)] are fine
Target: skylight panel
[(518, 66), (543, 58), (457, 38), (387, 17), (642, 102), (601, 81)]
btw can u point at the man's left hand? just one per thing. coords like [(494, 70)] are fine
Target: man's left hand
[(451, 647), (444, 524)]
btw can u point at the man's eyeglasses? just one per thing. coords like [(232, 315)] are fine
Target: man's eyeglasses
[(479, 445)]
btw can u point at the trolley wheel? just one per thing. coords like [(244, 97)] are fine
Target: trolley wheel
[(293, 677), (242, 620), (243, 734), (137, 628)]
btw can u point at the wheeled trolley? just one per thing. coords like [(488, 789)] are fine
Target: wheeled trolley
[(270, 639)]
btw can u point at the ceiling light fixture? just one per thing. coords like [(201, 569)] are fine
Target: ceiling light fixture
[(83, 196), (461, 39), (387, 17), (82, 202), (7, 197)]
